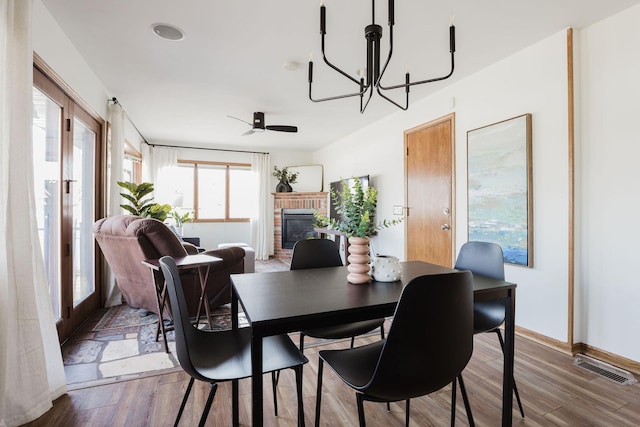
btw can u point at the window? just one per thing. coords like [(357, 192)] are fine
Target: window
[(215, 191), (132, 164)]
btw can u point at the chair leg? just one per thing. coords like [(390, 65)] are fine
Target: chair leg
[(407, 415), (207, 406), (465, 399), (298, 371), (184, 401), (360, 403), (353, 341), (513, 379), (301, 347), (382, 331), (235, 409), (453, 403), (319, 391), (274, 383)]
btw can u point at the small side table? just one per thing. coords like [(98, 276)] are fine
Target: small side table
[(200, 261)]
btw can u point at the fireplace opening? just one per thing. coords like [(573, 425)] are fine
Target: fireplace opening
[(297, 224)]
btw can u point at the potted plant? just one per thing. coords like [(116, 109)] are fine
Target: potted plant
[(139, 205), (179, 219), (285, 178), (357, 209)]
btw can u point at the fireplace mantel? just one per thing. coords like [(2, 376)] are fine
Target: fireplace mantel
[(317, 201)]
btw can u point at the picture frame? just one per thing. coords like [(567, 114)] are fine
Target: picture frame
[(500, 187)]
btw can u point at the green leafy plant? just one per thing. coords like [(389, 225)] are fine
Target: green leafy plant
[(139, 205), (357, 210), (284, 175), (180, 219)]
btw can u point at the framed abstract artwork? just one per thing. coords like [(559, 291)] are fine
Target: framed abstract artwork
[(499, 187)]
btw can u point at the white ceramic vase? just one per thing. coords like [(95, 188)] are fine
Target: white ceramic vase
[(358, 260), (386, 268)]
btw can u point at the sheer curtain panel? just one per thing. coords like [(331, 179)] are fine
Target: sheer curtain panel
[(112, 294), (262, 221), (31, 370), (165, 159)]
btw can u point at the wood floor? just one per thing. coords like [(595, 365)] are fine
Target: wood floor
[(553, 391)]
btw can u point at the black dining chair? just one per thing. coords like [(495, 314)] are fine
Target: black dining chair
[(321, 253), (221, 356), (486, 259), (429, 343)]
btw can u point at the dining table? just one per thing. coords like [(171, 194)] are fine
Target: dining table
[(289, 301)]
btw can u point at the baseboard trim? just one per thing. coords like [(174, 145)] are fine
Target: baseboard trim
[(610, 358), (572, 350)]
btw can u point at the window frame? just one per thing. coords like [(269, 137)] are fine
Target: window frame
[(228, 166)]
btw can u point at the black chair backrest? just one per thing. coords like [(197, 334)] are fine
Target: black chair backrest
[(430, 340), (185, 333), (315, 253), (482, 258)]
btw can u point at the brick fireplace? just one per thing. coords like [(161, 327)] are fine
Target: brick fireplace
[(294, 203)]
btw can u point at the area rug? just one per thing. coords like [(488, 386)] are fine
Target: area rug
[(123, 316)]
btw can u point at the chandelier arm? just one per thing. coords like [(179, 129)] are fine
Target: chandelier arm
[(384, 68), (326, 61), (405, 85), (331, 98), (405, 108), (366, 103)]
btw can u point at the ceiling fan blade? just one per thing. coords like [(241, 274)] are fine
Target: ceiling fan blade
[(282, 128), (243, 121), (249, 132)]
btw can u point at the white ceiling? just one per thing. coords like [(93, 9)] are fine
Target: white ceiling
[(231, 60)]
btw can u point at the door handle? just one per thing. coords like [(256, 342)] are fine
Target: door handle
[(67, 183), (445, 227)]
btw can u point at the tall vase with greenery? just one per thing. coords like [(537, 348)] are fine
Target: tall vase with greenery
[(356, 208), (141, 206), (285, 178)]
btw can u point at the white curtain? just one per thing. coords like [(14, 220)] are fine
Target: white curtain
[(164, 160), (31, 369), (262, 221), (145, 151), (112, 294)]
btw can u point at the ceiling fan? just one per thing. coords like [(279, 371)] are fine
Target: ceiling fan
[(259, 126)]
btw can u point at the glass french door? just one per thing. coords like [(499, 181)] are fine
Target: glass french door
[(65, 152)]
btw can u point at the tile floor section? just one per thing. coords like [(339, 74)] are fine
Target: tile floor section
[(108, 355)]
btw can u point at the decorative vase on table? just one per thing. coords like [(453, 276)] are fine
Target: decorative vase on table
[(358, 260), (386, 268), (283, 187)]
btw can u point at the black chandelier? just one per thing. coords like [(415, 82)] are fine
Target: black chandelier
[(372, 77)]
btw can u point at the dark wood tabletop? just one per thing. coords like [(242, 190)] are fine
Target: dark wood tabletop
[(288, 301)]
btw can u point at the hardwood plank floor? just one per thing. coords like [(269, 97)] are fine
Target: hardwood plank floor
[(553, 391)]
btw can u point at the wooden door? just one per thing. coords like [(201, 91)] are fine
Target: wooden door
[(429, 183), (66, 143)]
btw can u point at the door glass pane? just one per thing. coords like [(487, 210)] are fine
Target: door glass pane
[(82, 190), (46, 170), (211, 191)]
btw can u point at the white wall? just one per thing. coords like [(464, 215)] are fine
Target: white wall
[(50, 42), (610, 149), (517, 85)]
